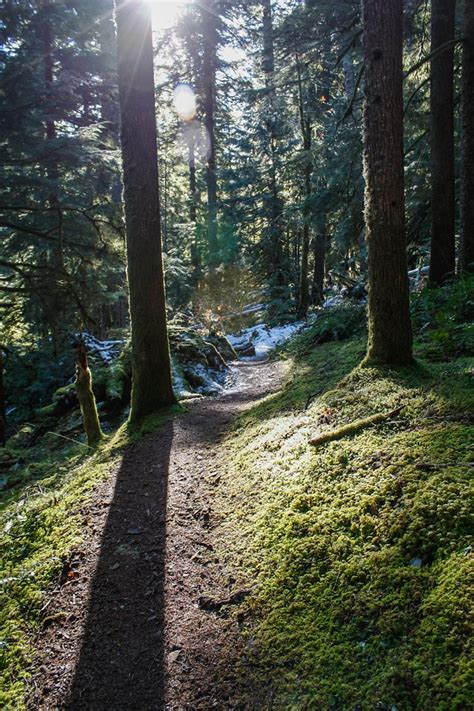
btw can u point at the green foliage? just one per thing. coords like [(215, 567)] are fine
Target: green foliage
[(62, 249), (40, 516), (445, 317), (359, 551), (32, 375), (41, 523), (333, 324)]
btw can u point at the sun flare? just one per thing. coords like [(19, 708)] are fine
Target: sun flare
[(165, 12)]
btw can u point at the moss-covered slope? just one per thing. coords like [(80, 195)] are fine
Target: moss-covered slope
[(359, 550)]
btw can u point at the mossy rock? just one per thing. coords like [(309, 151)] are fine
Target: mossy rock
[(64, 400), (223, 346)]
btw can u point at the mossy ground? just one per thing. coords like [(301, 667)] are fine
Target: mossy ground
[(41, 523), (360, 549)]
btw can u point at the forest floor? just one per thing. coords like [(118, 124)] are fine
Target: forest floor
[(218, 560), (140, 619)]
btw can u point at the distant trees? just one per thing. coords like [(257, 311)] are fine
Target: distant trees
[(442, 261), (151, 371), (390, 339), (61, 267), (274, 191)]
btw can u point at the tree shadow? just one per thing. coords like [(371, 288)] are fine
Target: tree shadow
[(121, 662)]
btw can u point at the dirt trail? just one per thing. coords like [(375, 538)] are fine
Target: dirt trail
[(135, 624)]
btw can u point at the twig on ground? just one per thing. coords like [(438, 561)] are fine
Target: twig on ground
[(354, 427)]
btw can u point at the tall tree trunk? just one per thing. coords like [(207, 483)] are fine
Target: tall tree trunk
[(54, 297), (349, 76), (319, 245), (466, 257), (108, 183), (306, 131), (442, 262), (274, 205), (164, 224), (390, 339), (193, 195), (3, 408), (209, 21), (151, 371), (191, 140)]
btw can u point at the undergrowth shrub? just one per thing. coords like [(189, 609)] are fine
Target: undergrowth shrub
[(443, 319)]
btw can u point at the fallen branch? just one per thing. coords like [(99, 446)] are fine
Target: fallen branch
[(428, 466), (354, 427)]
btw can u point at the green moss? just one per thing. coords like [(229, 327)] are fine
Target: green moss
[(41, 524), (359, 550)]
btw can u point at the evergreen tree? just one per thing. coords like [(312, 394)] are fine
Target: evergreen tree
[(61, 232), (390, 339), (209, 22), (442, 262), (151, 371), (466, 257)]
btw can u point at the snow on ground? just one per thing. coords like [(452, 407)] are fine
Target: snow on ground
[(264, 338)]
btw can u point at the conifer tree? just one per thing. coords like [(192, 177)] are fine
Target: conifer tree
[(390, 339), (209, 20), (151, 371), (466, 257), (442, 262)]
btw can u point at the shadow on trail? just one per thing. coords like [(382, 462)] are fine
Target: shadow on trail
[(121, 663)]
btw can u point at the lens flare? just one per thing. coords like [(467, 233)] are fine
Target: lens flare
[(184, 100), (195, 140)]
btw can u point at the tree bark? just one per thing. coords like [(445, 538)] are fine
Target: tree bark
[(390, 338), (151, 371), (273, 241), (442, 262), (3, 408), (191, 140), (86, 397), (209, 21), (318, 273), (306, 134), (54, 298), (466, 257)]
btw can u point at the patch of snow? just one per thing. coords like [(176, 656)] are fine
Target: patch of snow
[(180, 386), (334, 301), (106, 350), (264, 338), (211, 380)]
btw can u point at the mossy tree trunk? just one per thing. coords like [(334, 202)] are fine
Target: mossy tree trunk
[(466, 257), (390, 337), (86, 397), (442, 261), (151, 370)]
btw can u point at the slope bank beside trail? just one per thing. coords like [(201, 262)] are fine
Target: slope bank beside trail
[(360, 549), (141, 617)]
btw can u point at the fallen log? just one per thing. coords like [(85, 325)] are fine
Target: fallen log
[(354, 427)]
